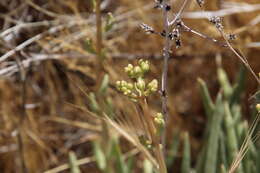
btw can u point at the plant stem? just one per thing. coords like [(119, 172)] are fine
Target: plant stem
[(166, 56), (155, 138), (99, 29)]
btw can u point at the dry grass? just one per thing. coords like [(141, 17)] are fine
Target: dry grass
[(46, 42)]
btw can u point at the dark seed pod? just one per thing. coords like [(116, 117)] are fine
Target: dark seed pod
[(178, 43), (147, 28), (167, 7), (217, 21), (163, 33), (231, 36), (200, 2)]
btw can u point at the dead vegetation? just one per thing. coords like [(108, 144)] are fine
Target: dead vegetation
[(48, 68)]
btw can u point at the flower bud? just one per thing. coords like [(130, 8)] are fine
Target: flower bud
[(130, 86), (137, 71), (144, 65), (153, 85), (118, 85), (258, 107), (129, 68), (140, 84), (158, 119)]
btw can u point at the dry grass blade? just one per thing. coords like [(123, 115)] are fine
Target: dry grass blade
[(66, 166), (245, 146), (78, 124), (127, 131)]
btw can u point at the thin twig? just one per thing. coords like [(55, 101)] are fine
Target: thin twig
[(242, 58), (166, 55)]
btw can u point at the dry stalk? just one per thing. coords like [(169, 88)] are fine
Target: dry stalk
[(154, 136), (166, 56), (98, 28)]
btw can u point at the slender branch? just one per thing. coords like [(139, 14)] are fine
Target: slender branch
[(166, 56), (240, 57)]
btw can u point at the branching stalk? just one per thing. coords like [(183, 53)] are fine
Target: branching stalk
[(166, 56)]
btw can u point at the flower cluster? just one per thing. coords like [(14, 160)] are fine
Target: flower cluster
[(139, 88), (158, 119)]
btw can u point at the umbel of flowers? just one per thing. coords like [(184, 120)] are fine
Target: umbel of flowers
[(138, 88)]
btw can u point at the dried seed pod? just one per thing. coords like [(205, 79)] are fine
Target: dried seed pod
[(200, 2), (179, 23), (217, 21), (147, 28), (158, 4), (231, 36), (163, 33), (167, 7), (176, 37)]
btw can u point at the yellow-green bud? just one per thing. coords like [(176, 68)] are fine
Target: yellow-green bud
[(127, 92), (144, 65), (148, 144), (133, 95), (153, 85), (124, 89), (130, 86), (140, 84), (158, 119), (137, 71), (258, 107), (118, 85), (123, 83), (129, 68)]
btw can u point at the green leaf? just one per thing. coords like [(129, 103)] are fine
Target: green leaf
[(110, 21), (93, 103), (148, 166), (232, 141), (224, 82), (120, 164), (239, 86), (74, 168), (186, 161), (104, 85), (212, 141), (100, 156), (207, 101), (173, 150), (89, 46)]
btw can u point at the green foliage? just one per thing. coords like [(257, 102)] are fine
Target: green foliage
[(225, 129), (100, 156), (110, 21), (186, 160), (148, 166), (172, 152), (89, 46), (74, 168)]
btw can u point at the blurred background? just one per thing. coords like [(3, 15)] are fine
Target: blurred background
[(52, 77)]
